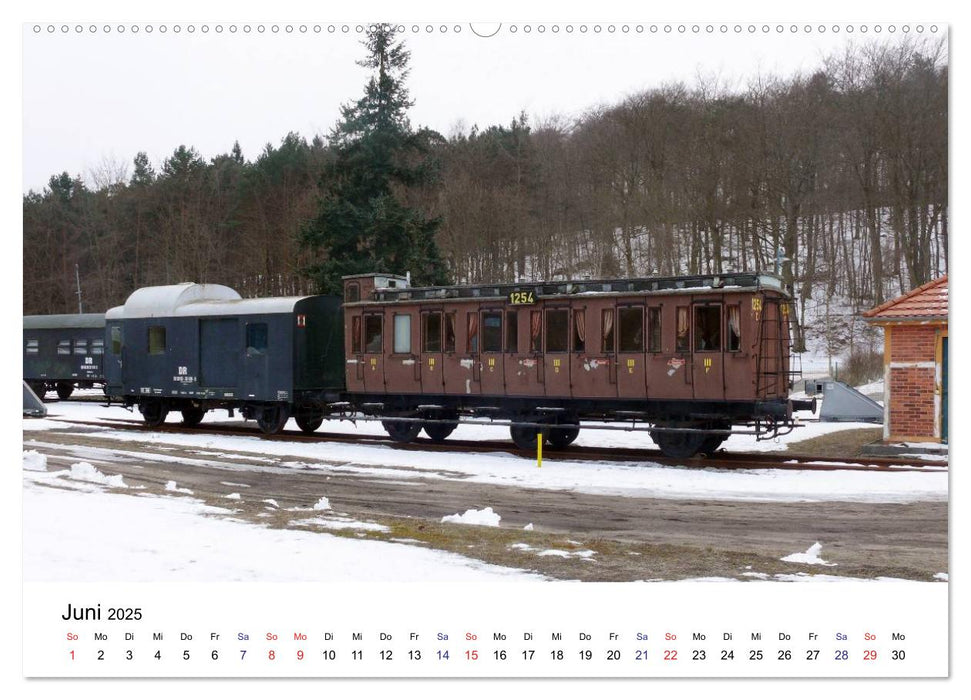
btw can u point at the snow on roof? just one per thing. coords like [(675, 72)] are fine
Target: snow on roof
[(927, 302), (65, 321), (190, 299)]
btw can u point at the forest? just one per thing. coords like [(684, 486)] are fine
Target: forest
[(837, 178)]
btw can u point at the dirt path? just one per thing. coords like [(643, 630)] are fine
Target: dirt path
[(632, 538)]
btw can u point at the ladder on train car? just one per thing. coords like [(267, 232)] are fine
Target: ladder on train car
[(772, 379)]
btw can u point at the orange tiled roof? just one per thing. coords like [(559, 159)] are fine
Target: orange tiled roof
[(929, 301)]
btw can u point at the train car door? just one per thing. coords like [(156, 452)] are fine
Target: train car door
[(354, 350), (739, 345), (556, 357), (373, 349), (218, 352), (668, 349), (523, 349), (462, 366), (631, 359), (402, 371), (432, 354), (707, 358), (256, 352), (493, 379), (593, 369)]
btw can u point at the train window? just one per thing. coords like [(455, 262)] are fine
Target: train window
[(402, 334), (64, 347), (579, 330), (512, 331), (654, 329), (682, 342), (80, 346), (492, 331), (535, 328), (449, 345), (33, 347), (373, 342), (733, 315), (708, 328), (116, 340), (352, 293), (156, 340), (607, 330), (472, 337), (431, 332), (257, 338), (98, 346), (631, 332), (557, 325), (355, 334)]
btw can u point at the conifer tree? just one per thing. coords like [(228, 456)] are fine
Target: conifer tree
[(363, 223)]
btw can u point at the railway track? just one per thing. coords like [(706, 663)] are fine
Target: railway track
[(719, 460)]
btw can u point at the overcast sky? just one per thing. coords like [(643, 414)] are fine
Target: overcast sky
[(96, 96)]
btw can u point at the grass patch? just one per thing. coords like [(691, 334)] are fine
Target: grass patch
[(843, 443)]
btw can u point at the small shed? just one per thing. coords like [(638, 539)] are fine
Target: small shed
[(915, 363)]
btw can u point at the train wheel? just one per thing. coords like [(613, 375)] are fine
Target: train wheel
[(153, 413), (272, 419), (191, 417), (439, 431), (310, 421), (524, 436), (562, 436), (39, 388), (679, 445), (64, 390), (402, 431)]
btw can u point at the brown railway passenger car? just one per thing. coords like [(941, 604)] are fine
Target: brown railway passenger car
[(691, 357)]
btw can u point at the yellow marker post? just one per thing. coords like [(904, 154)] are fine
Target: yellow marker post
[(539, 449)]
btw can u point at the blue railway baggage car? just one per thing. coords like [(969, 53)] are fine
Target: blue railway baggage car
[(197, 347)]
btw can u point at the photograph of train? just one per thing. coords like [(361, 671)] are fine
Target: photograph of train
[(590, 314)]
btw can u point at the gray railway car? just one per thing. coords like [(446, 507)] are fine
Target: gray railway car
[(63, 352), (197, 347)]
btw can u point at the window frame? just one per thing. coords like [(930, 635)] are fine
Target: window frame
[(425, 316), (728, 329), (655, 319), (697, 337), (252, 349), (550, 312), (620, 330), (402, 339), (164, 344), (482, 330), (364, 324), (32, 346), (684, 349)]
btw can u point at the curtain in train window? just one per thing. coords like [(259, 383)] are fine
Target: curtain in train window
[(492, 331), (654, 329), (373, 341), (431, 332), (512, 331), (682, 342), (355, 334), (557, 324), (156, 340), (449, 332), (607, 330), (579, 330), (734, 328), (631, 335), (472, 339), (708, 328), (535, 331), (402, 334)]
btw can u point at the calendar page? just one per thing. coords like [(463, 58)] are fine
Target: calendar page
[(449, 350)]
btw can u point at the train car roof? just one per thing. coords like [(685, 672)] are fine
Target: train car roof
[(190, 299), (55, 321), (693, 284)]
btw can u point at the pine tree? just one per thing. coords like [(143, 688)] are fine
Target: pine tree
[(362, 222)]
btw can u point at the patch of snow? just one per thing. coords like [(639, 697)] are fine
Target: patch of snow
[(233, 496), (529, 527), (34, 461), (322, 504), (941, 576), (810, 556), (233, 483), (83, 471), (566, 554), (172, 486), (486, 516), (272, 502), (342, 524)]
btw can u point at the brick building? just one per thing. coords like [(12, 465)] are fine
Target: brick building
[(915, 363)]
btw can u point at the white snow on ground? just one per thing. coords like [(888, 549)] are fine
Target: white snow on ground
[(810, 556), (528, 527), (35, 461), (563, 553), (338, 523), (941, 576), (322, 504), (82, 471), (99, 536), (172, 486), (646, 479), (232, 496), (486, 516)]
